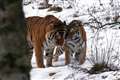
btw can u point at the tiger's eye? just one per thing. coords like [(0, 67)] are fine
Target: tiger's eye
[(72, 30)]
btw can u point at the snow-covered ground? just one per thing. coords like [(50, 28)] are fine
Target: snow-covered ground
[(83, 9)]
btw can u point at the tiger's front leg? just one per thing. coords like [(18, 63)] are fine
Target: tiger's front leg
[(81, 54), (67, 54), (49, 56), (39, 55)]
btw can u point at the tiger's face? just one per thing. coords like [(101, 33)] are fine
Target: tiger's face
[(74, 27), (60, 38), (73, 30)]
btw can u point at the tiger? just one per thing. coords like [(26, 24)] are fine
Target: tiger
[(37, 29), (75, 43)]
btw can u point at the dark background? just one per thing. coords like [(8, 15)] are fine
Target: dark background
[(14, 55)]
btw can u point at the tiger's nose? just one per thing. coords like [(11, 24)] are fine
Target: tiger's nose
[(61, 33)]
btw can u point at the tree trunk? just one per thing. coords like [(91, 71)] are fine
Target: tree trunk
[(46, 3), (14, 56)]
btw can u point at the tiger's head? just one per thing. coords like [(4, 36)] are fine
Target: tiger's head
[(74, 26), (53, 23), (57, 26)]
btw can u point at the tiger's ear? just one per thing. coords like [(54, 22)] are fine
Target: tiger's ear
[(49, 27), (64, 22)]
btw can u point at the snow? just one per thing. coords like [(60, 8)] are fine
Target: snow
[(101, 38)]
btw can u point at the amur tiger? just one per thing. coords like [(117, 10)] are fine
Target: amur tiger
[(37, 29), (75, 42)]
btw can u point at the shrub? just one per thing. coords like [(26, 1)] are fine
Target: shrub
[(55, 8), (105, 53)]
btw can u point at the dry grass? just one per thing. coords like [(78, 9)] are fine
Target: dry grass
[(104, 56)]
